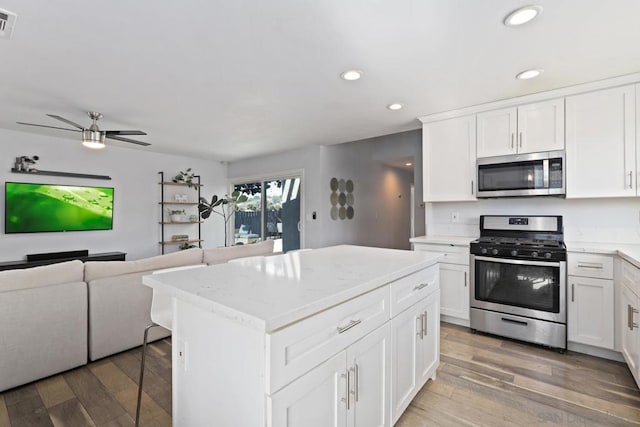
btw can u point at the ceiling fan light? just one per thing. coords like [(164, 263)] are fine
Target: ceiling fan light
[(92, 139)]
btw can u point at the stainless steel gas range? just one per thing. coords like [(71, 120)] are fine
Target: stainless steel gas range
[(518, 279)]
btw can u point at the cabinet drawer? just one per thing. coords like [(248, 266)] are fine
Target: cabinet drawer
[(296, 349), (590, 265), (630, 277), (412, 288), (452, 254)]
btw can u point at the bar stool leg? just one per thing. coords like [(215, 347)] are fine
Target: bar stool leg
[(144, 356)]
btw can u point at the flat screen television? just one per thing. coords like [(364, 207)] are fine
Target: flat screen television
[(36, 208)]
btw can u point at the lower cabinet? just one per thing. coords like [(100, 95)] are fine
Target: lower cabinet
[(415, 351), (630, 319), (454, 290), (350, 389), (590, 311)]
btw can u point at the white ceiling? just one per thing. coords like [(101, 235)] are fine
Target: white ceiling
[(232, 79)]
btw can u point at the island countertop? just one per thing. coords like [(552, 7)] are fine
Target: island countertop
[(271, 292)]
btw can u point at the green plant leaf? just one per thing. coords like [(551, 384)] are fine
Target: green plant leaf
[(235, 194), (242, 199)]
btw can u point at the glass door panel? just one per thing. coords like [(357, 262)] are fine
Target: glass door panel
[(248, 215)]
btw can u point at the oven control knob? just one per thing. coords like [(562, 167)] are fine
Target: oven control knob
[(534, 254), (514, 252), (483, 250), (494, 251), (547, 255)]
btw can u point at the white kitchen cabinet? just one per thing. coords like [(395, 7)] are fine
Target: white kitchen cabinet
[(454, 281), (601, 146), (415, 351), (529, 128), (630, 319), (314, 399), (351, 389), (449, 159), (369, 370), (590, 311), (454, 290)]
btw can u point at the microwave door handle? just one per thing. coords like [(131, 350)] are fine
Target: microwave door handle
[(545, 174)]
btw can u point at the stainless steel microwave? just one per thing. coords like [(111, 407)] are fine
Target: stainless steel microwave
[(535, 174)]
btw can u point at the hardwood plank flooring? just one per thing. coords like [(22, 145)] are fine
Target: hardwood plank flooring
[(482, 381)]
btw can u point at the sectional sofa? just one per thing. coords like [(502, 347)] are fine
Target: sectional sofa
[(57, 317)]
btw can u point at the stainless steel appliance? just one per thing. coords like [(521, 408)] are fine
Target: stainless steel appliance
[(518, 279), (536, 174)]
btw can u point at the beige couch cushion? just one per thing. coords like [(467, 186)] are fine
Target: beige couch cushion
[(98, 269), (222, 255), (36, 277)]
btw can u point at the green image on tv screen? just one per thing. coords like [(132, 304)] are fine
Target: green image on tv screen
[(31, 208)]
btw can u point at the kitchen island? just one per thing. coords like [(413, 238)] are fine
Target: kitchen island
[(337, 336)]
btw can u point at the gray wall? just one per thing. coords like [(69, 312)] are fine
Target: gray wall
[(381, 217)]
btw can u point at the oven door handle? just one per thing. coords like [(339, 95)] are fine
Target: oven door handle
[(517, 261)]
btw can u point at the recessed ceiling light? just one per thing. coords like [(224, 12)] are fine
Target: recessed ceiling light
[(522, 15), (529, 74), (351, 75), (395, 106), (408, 164)]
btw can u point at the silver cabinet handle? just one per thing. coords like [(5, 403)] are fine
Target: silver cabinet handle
[(424, 324), (356, 380), (630, 179), (520, 139), (345, 399), (573, 292), (594, 265), (421, 286), (511, 139), (465, 279), (630, 312), (419, 331), (471, 186), (351, 324)]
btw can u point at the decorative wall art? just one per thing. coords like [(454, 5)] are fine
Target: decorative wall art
[(342, 199)]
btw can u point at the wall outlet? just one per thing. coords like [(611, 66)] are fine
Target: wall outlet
[(454, 216)]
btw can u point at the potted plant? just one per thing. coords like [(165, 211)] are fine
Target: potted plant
[(224, 206), (185, 177), (177, 215)]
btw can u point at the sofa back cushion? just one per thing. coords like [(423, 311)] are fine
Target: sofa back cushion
[(222, 255), (36, 277), (98, 269)]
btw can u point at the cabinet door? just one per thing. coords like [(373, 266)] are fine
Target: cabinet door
[(314, 400), (497, 132), (630, 333), (429, 345), (601, 152), (369, 362), (454, 290), (405, 336), (449, 159), (590, 310), (541, 127)]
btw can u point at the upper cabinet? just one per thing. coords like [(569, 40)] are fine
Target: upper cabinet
[(528, 128), (449, 159), (601, 146)]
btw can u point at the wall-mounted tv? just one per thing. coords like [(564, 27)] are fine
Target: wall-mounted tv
[(35, 208)]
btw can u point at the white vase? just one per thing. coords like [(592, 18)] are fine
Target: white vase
[(177, 218)]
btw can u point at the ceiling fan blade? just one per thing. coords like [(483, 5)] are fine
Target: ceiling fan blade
[(62, 119), (124, 132), (133, 141), (45, 126)]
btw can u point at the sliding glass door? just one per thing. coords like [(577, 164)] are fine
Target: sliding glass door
[(272, 211)]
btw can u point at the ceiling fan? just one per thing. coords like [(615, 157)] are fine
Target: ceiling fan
[(92, 136)]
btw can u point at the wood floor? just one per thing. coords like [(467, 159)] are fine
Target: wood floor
[(482, 381)]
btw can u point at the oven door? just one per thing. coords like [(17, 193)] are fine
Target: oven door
[(535, 289)]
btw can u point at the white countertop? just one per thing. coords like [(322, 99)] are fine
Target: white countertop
[(444, 240), (626, 251), (271, 292)]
